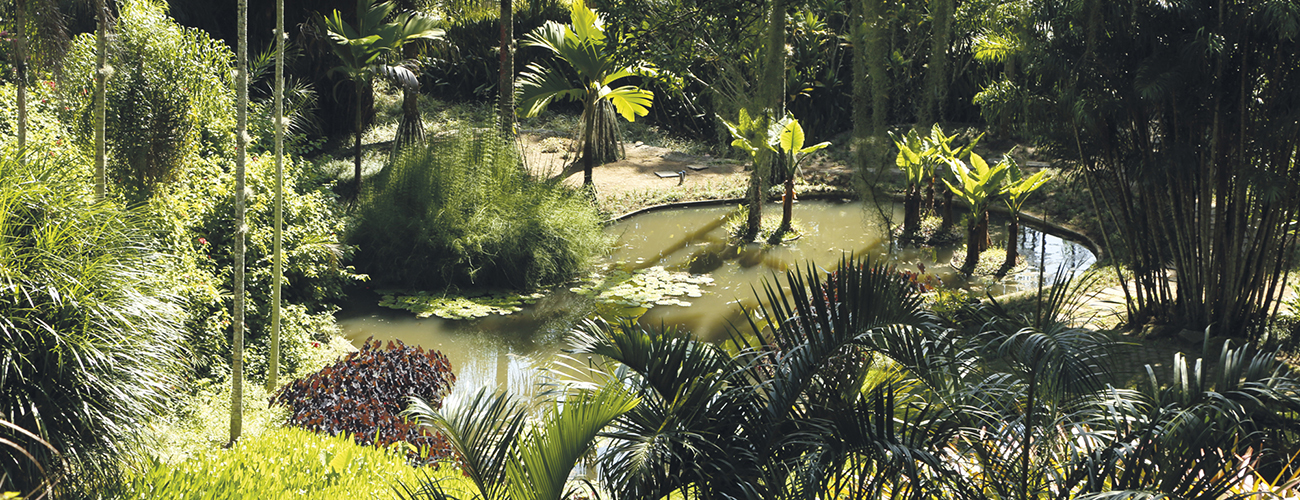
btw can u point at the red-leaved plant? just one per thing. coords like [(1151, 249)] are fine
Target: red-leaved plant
[(363, 394)]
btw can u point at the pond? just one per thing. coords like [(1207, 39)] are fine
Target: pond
[(507, 350)]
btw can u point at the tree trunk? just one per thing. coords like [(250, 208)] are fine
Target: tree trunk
[(936, 76), (588, 146), (101, 82), (273, 370), (976, 238), (948, 218), (356, 149), (1013, 244), (772, 96), (20, 53), (241, 152), (506, 84), (787, 206), (912, 211)]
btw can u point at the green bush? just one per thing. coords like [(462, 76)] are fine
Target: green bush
[(170, 96), (288, 463), (463, 213), (201, 228), (90, 334)]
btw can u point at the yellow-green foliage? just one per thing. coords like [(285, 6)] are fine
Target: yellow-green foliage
[(288, 463)]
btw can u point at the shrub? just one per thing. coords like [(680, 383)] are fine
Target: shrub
[(170, 96), (462, 212), (89, 334), (200, 227), (282, 463), (364, 393)]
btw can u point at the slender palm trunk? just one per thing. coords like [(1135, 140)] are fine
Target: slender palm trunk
[(101, 83), (241, 145), (506, 84), (936, 76), (273, 371), (772, 96), (588, 141), (20, 53), (356, 149)]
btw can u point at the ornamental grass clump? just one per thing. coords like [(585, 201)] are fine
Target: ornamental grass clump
[(463, 213), (90, 335)]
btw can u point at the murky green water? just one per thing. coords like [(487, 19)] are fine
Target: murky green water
[(509, 349)]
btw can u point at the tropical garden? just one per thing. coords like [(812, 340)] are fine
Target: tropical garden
[(195, 195)]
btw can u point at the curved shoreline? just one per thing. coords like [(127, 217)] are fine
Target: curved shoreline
[(1027, 218)]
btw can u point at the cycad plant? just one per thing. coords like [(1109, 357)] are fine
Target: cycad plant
[(373, 48), (90, 337), (507, 455), (590, 55)]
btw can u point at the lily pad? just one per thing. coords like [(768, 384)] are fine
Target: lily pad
[(476, 304), (645, 288)]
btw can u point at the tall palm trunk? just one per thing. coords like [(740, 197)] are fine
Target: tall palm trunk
[(241, 146), (101, 83), (20, 53), (588, 141), (356, 149), (506, 83), (273, 371), (772, 96), (936, 76)]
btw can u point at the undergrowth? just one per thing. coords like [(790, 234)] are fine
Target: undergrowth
[(462, 213)]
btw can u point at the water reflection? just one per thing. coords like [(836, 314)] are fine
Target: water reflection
[(508, 350)]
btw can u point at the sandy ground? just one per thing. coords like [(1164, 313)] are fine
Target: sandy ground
[(546, 155)]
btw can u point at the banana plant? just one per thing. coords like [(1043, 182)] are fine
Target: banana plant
[(749, 134), (370, 48), (1016, 191), (920, 157), (789, 144), (977, 185), (583, 45)]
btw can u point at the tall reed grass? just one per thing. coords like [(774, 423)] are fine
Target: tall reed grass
[(462, 212)]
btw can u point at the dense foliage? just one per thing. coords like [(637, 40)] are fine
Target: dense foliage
[(90, 332), (1184, 117), (281, 464), (169, 98), (463, 213), (364, 393)]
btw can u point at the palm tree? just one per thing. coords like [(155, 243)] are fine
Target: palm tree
[(102, 73), (583, 46), (277, 272), (20, 53), (367, 51), (506, 83), (505, 455), (241, 153)]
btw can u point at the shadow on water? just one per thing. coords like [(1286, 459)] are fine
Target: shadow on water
[(509, 350)]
